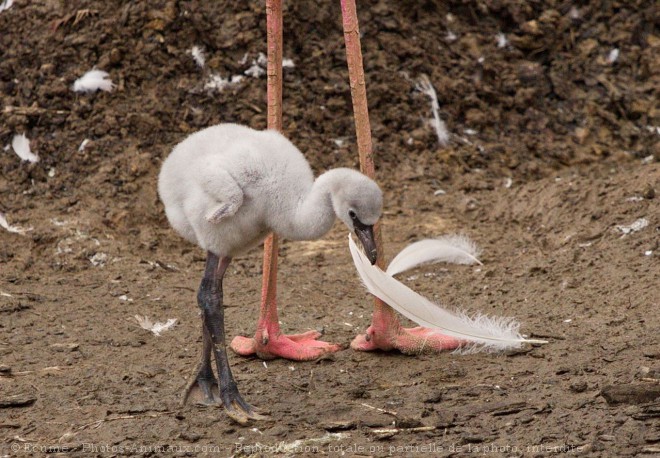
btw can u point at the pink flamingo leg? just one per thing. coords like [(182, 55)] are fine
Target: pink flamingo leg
[(269, 342), (385, 332), (296, 347)]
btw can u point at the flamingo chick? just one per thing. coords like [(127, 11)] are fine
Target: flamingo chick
[(225, 188)]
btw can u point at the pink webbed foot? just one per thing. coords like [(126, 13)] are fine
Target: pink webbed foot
[(296, 347), (410, 341)]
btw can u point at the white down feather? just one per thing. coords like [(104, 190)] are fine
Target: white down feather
[(93, 81)]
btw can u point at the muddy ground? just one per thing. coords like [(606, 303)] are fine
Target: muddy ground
[(553, 155)]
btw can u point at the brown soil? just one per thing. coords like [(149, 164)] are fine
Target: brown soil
[(553, 147)]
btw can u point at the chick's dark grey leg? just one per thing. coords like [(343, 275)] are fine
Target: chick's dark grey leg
[(203, 383), (209, 299)]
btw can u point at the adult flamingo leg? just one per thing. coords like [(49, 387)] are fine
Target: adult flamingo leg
[(385, 332), (269, 342)]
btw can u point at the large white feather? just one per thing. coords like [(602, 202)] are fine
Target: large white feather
[(455, 249), (486, 332)]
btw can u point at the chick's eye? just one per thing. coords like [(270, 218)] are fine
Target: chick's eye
[(352, 214)]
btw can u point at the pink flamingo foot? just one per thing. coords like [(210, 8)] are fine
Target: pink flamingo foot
[(296, 347), (386, 334), (410, 341)]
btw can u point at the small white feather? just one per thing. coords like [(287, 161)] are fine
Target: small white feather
[(93, 81), (454, 249), (480, 332), (21, 146), (198, 55), (5, 5), (218, 83), (255, 71), (613, 56), (83, 145), (637, 225), (574, 13), (425, 87), (13, 229), (157, 327), (502, 41)]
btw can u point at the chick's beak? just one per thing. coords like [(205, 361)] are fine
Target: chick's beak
[(366, 236)]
